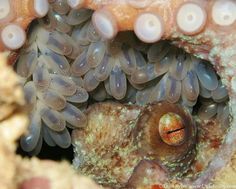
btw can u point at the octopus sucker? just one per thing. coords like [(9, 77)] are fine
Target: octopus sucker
[(191, 18), (142, 111), (223, 13), (13, 36), (105, 24), (149, 27)]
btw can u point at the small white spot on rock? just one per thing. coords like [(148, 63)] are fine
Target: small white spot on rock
[(233, 84)]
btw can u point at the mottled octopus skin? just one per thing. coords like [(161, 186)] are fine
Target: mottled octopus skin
[(121, 145)]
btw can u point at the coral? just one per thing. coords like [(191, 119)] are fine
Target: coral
[(13, 121)]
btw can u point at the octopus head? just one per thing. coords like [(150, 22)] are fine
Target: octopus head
[(130, 141)]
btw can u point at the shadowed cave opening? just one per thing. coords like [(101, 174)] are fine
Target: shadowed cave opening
[(53, 153)]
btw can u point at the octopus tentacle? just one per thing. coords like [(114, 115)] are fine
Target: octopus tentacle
[(15, 18), (201, 16)]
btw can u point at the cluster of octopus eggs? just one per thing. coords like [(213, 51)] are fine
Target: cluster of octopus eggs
[(69, 62)]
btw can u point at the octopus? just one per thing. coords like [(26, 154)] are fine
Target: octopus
[(158, 141), (157, 138)]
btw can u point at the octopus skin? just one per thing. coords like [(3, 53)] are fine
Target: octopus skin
[(212, 39), (132, 143), (130, 146)]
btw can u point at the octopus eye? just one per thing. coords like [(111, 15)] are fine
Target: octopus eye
[(171, 129), (166, 132)]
